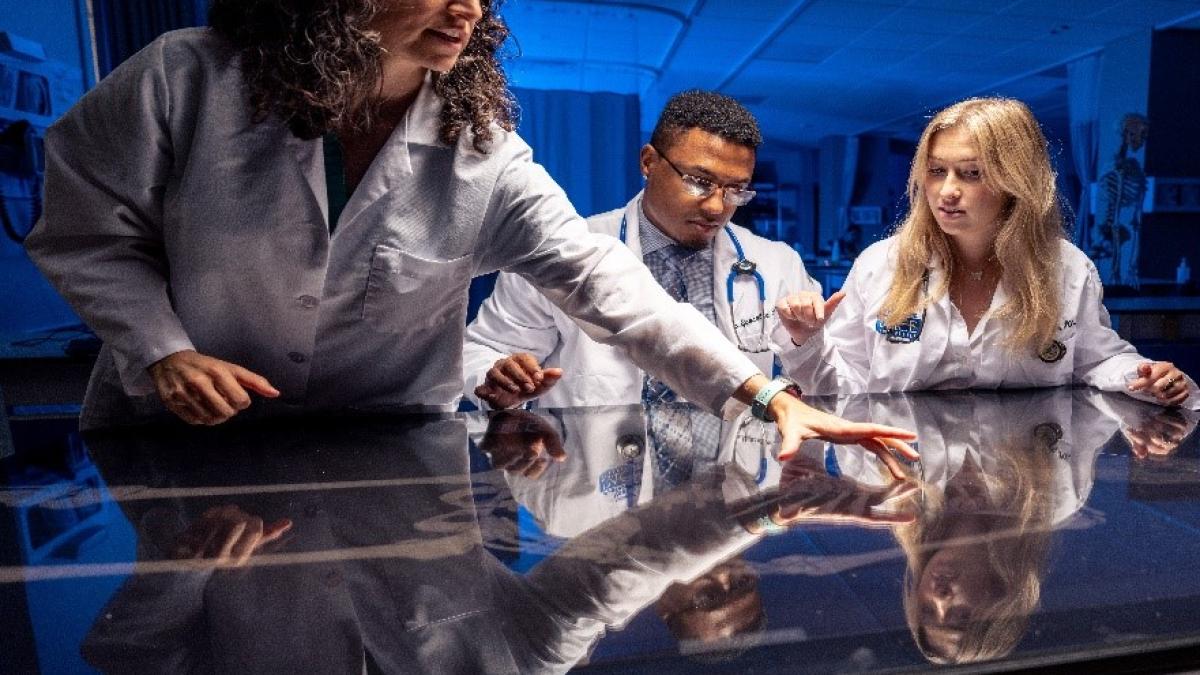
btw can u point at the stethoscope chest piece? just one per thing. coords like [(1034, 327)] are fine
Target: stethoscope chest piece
[(744, 266), (630, 446)]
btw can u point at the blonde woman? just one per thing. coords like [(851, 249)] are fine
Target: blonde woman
[(978, 288)]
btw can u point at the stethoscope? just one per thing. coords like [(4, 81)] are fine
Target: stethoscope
[(742, 266)]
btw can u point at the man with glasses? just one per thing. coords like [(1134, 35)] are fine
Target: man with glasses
[(698, 167)]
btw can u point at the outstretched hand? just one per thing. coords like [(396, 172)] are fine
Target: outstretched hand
[(798, 422), (228, 536), (515, 379), (810, 494)]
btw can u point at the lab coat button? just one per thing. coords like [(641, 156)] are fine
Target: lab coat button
[(297, 357), (307, 301)]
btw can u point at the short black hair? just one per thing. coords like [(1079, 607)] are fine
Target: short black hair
[(708, 111)]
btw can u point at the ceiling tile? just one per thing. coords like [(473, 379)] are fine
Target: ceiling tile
[(844, 13), (1149, 13), (932, 21)]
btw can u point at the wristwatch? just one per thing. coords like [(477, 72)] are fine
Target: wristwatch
[(767, 526), (763, 398)]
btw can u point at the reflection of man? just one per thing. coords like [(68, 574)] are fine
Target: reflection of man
[(721, 603), (698, 166)]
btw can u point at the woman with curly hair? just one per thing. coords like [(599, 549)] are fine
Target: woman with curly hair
[(978, 288), (293, 203)]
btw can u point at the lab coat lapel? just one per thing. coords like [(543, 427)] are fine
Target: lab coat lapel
[(933, 342), (632, 226), (724, 256), (390, 173), (310, 164)]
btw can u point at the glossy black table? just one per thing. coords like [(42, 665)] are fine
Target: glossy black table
[(1046, 528)]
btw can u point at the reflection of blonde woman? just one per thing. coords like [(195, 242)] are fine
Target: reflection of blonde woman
[(978, 288), (977, 552)]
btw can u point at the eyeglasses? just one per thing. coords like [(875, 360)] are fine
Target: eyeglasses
[(713, 595), (703, 187)]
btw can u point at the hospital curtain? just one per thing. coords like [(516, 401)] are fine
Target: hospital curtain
[(1083, 109), (588, 142), (125, 26)]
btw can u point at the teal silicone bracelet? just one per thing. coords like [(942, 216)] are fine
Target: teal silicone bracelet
[(769, 526), (764, 396)]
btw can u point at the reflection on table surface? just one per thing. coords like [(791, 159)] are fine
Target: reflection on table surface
[(1052, 524)]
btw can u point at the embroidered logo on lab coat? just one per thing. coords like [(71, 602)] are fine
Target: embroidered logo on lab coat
[(621, 482), (1053, 352), (905, 332)]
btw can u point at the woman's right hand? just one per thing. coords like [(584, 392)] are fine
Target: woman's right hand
[(201, 389), (804, 314), (228, 536)]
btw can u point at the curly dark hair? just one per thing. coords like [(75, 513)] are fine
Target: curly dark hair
[(315, 65), (709, 111)]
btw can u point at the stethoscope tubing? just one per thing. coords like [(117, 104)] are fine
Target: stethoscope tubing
[(743, 265)]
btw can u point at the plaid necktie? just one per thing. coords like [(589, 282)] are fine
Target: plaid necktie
[(678, 433)]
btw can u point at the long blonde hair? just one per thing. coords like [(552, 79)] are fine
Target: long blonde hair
[(1017, 541), (1016, 165)]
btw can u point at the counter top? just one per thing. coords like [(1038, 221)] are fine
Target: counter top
[(1040, 527)]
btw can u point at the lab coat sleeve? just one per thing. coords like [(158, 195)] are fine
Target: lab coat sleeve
[(795, 280), (100, 238), (603, 577), (837, 359), (531, 229), (515, 318), (1102, 358)]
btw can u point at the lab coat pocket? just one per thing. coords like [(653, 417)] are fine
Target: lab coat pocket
[(406, 293)]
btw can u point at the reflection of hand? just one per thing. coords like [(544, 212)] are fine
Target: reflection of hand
[(515, 379), (803, 314), (203, 390), (1162, 380), (228, 536), (809, 494), (522, 442), (798, 422), (1158, 435)]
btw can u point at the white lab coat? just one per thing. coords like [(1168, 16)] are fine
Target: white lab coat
[(394, 567), (980, 425), (593, 484), (173, 222), (517, 318), (851, 356)]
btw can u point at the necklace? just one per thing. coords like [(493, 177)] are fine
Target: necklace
[(977, 275)]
